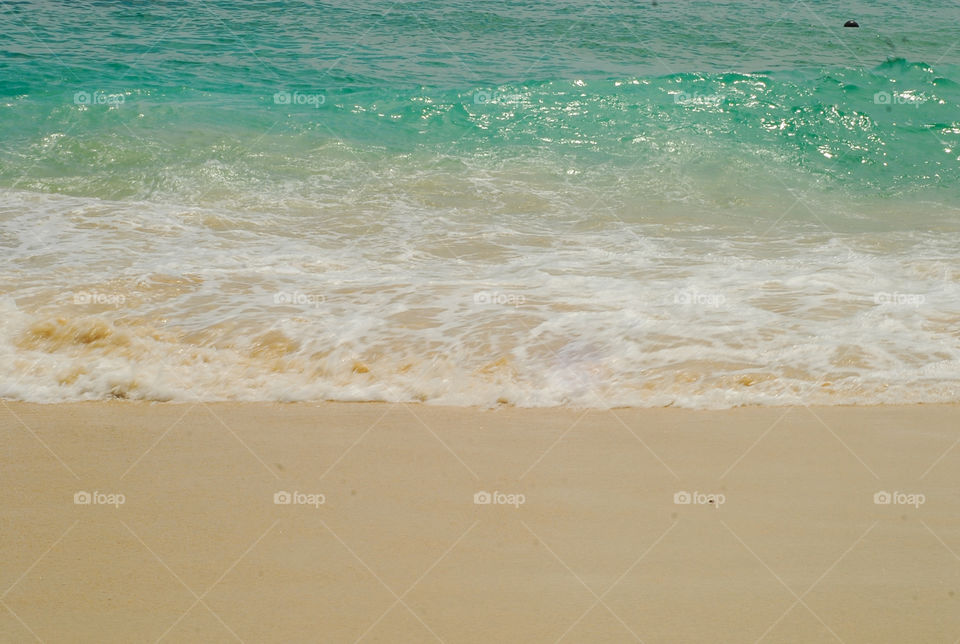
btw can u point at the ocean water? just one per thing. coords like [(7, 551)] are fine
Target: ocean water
[(594, 203)]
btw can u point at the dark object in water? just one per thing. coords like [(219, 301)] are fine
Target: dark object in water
[(851, 23)]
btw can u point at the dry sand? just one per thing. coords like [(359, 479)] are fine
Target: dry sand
[(798, 551)]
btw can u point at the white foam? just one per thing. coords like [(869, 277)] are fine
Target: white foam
[(458, 305)]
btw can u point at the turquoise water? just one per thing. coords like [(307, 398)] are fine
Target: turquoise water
[(772, 89), (694, 203)]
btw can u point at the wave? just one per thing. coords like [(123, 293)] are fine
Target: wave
[(160, 302), (892, 130)]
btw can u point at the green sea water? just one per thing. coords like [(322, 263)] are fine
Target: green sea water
[(122, 100), (674, 198)]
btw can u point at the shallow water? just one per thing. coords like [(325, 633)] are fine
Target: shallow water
[(702, 204)]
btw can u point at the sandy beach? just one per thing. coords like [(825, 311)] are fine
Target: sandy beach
[(508, 322), (409, 523)]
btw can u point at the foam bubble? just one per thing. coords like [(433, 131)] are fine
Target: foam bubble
[(154, 302)]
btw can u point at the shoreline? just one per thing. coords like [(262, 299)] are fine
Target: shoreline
[(660, 525), (477, 408)]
